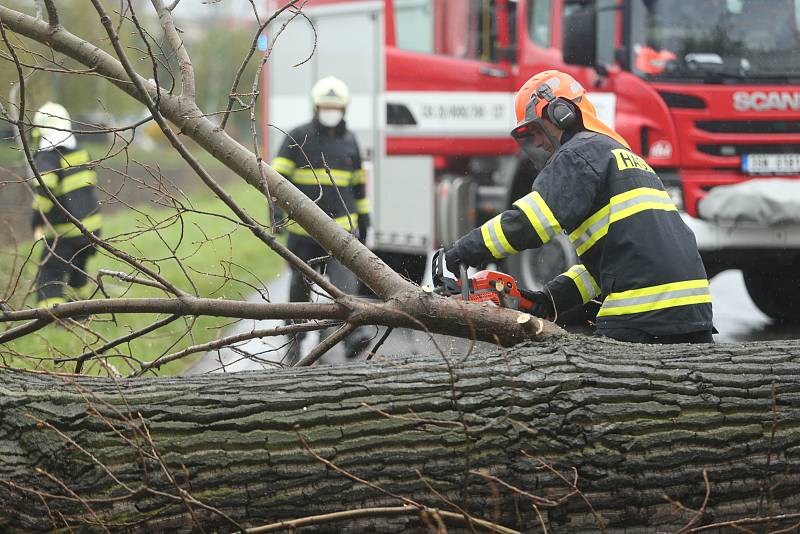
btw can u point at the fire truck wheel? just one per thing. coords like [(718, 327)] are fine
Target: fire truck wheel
[(776, 296)]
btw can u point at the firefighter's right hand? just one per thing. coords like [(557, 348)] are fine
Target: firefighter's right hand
[(38, 233), (542, 304)]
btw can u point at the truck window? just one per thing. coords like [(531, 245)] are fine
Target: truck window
[(464, 29), (716, 40), (539, 22), (414, 25)]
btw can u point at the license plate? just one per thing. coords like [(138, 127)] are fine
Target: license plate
[(771, 163)]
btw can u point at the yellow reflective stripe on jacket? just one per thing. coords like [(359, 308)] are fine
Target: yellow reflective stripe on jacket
[(77, 180), (584, 281), (91, 223), (283, 165), (656, 298), (494, 238), (362, 206), (620, 206), (342, 221), (640, 199), (320, 176), (41, 203), (590, 231), (359, 177), (540, 216), (73, 159)]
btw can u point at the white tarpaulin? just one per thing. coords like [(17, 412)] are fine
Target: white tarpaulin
[(763, 201)]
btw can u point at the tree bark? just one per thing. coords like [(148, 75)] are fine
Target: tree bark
[(639, 424)]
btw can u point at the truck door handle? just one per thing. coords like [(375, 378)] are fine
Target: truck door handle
[(493, 72)]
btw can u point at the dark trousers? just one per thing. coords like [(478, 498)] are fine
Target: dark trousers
[(307, 249), (63, 261), (300, 291), (634, 335)]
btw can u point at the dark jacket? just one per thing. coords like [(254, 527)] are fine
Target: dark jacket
[(300, 159), (637, 254), (67, 175)]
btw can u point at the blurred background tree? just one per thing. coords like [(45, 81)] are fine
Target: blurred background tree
[(219, 33)]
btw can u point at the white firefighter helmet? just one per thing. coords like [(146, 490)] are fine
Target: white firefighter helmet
[(330, 91), (51, 126)]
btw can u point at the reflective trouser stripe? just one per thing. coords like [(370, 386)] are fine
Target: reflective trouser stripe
[(42, 203), (656, 298), (494, 238), (584, 281), (362, 206), (76, 181), (91, 223), (343, 221), (50, 179), (620, 207), (284, 166), (320, 176), (540, 216)]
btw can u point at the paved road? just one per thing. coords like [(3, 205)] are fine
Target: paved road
[(268, 353), (735, 316)]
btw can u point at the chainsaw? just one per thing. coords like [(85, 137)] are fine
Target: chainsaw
[(483, 286)]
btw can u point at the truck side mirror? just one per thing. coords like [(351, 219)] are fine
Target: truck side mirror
[(580, 37)]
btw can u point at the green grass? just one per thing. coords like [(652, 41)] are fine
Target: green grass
[(203, 252)]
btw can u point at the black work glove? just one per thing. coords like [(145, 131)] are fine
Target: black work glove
[(363, 226), (277, 216), (542, 303), (452, 261)]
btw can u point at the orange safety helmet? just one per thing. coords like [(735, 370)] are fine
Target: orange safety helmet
[(559, 93)]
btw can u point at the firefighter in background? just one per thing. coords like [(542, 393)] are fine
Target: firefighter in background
[(64, 169), (302, 158), (637, 254)]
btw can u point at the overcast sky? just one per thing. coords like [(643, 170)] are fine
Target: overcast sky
[(228, 8)]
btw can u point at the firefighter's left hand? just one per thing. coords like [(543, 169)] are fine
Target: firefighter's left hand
[(452, 260), (38, 233), (542, 303), (363, 226)]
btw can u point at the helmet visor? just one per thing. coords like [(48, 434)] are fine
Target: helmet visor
[(536, 142)]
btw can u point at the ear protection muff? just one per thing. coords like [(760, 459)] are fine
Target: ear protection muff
[(560, 111)]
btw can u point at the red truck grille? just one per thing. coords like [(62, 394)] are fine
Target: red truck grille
[(734, 149), (750, 126)]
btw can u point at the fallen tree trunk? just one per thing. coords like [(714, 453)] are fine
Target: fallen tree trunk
[(658, 438)]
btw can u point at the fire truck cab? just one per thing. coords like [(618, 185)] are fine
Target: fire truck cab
[(706, 92)]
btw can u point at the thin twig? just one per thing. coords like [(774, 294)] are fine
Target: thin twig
[(327, 344)]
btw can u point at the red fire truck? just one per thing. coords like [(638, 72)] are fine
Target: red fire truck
[(707, 92)]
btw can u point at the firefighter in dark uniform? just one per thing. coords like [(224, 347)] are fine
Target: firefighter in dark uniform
[(302, 159), (638, 257), (63, 166)]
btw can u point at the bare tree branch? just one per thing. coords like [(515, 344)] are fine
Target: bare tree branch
[(182, 306), (176, 43), (230, 340)]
